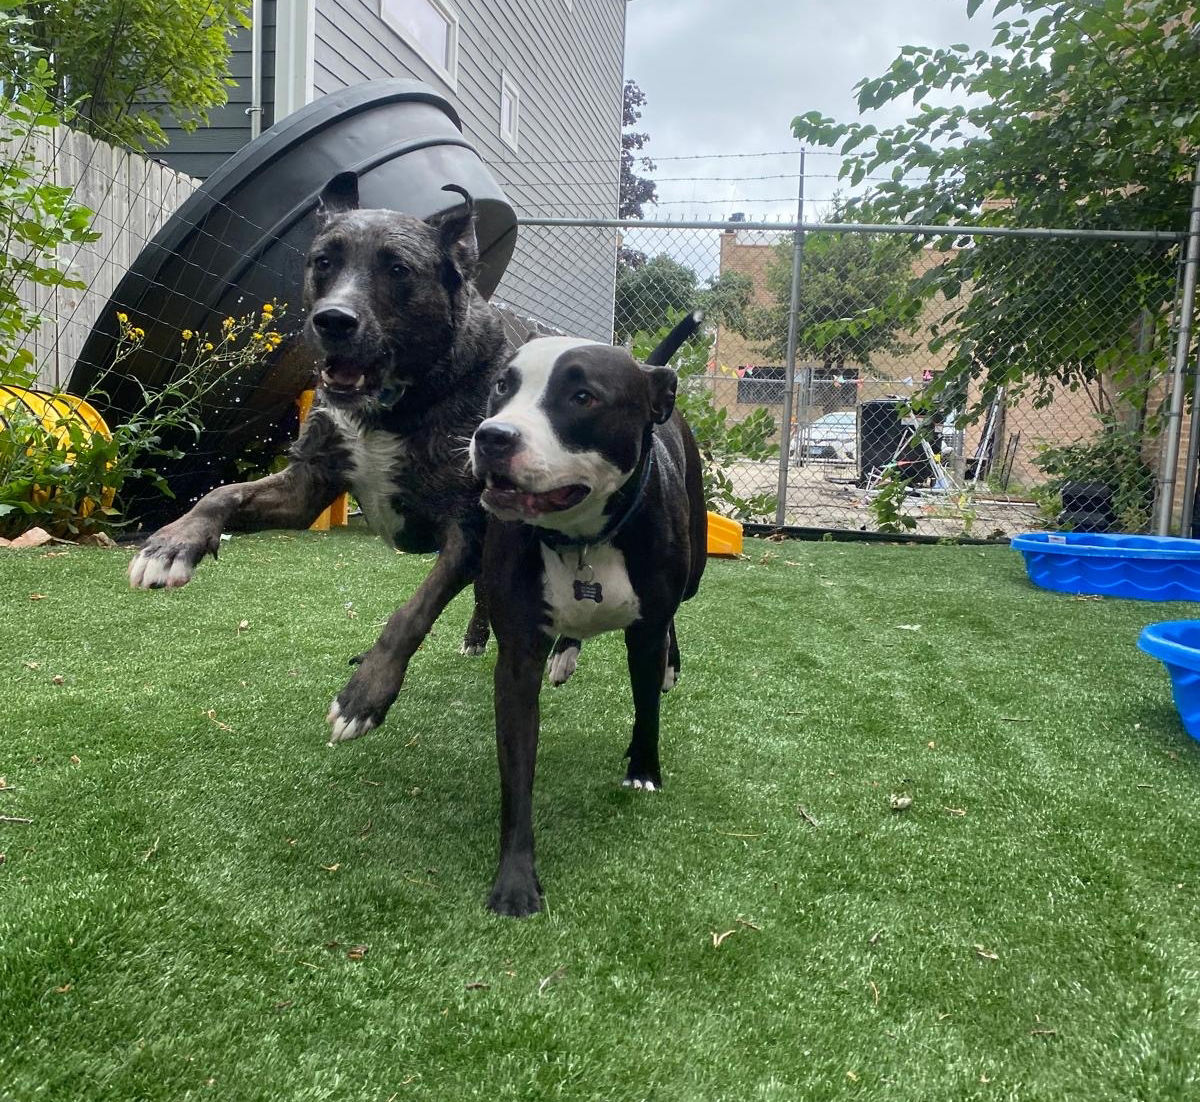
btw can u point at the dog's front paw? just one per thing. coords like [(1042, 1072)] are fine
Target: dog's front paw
[(516, 893), (363, 703), (472, 650), (170, 556)]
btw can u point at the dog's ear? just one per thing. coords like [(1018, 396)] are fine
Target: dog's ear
[(660, 384), (456, 237), (338, 196)]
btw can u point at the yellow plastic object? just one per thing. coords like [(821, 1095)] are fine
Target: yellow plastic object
[(724, 536), (54, 411), (339, 512)]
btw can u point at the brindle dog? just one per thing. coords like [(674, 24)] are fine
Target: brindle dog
[(410, 351)]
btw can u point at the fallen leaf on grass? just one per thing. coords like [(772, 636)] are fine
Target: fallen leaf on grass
[(58, 679), (957, 810), (75, 759), (718, 938), (151, 851), (874, 938), (212, 715), (64, 989), (283, 1005), (899, 803), (985, 954), (367, 828), (32, 665), (332, 868), (478, 986), (37, 596), (356, 952), (908, 627), (243, 625), (852, 1076)]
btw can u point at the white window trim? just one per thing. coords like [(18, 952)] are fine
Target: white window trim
[(448, 74), (295, 51), (509, 86)]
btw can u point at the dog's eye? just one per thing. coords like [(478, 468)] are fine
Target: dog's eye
[(584, 398), (501, 386), (322, 263), (398, 270)]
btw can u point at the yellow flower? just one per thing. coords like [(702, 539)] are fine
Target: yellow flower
[(256, 336), (188, 334), (227, 323), (122, 318), (208, 347), (268, 308), (138, 333)]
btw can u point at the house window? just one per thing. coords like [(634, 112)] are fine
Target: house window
[(510, 110), (431, 28)]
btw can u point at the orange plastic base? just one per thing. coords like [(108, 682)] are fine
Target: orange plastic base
[(724, 536)]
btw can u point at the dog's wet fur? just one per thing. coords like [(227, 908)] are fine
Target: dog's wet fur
[(408, 353)]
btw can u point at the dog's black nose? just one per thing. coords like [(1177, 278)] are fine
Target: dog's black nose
[(497, 440), (336, 322)]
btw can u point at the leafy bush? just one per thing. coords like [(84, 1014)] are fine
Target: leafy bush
[(59, 475), (1112, 457), (721, 443), (37, 218)]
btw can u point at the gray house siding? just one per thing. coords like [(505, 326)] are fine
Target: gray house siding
[(200, 152), (566, 62)]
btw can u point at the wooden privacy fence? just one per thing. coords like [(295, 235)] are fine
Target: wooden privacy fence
[(132, 196)]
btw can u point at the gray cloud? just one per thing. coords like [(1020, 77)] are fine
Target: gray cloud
[(728, 77)]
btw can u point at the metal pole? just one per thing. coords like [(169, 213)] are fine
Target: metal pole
[(1164, 505), (785, 429), (256, 69), (1193, 453)]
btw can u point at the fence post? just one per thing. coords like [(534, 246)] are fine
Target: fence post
[(785, 429), (1165, 502)]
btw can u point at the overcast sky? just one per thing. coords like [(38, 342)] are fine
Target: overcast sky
[(728, 76)]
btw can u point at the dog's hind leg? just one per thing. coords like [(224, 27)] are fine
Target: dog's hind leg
[(674, 664), (564, 657), (369, 693), (475, 640), (647, 656)]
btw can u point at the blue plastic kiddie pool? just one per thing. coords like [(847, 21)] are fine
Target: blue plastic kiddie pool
[(1148, 568), (1177, 644)]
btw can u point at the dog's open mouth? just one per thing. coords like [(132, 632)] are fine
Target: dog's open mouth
[(344, 378), (503, 495)]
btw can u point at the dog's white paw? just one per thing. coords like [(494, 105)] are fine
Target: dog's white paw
[(670, 679), (643, 786), (561, 665), (148, 571), (472, 650), (343, 727)]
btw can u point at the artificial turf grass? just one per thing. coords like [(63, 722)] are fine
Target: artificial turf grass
[(208, 959)]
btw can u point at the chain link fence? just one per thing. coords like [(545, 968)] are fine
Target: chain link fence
[(980, 384)]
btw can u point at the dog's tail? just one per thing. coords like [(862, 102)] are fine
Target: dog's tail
[(671, 342)]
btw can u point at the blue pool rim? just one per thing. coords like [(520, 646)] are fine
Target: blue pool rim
[(1142, 568), (1108, 546), (1168, 641)]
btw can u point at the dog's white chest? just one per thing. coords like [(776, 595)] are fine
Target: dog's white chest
[(574, 610), (375, 460)]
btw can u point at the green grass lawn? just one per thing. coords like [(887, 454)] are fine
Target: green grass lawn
[(182, 916)]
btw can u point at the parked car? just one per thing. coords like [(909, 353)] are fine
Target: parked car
[(830, 436)]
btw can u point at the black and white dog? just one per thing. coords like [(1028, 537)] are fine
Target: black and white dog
[(598, 524), (410, 350)]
